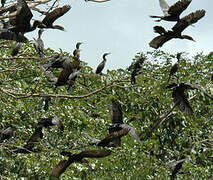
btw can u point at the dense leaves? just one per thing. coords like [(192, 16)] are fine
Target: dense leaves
[(166, 134)]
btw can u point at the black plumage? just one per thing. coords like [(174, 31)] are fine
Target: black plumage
[(102, 64), (61, 167), (179, 97), (16, 49), (177, 29), (50, 18), (39, 44), (173, 12), (175, 66)]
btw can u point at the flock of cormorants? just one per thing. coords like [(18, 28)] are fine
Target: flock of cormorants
[(16, 28)]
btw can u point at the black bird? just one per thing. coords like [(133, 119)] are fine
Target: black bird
[(102, 64), (72, 78), (76, 52), (6, 134), (58, 61), (177, 29), (136, 67), (52, 16), (34, 139), (61, 167), (16, 49), (117, 129), (46, 103), (22, 19), (173, 12), (9, 35), (175, 66), (51, 121), (178, 166), (39, 44), (179, 97), (64, 74)]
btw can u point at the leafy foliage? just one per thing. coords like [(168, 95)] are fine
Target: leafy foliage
[(23, 85)]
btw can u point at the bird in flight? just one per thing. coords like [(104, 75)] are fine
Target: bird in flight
[(172, 13), (177, 29)]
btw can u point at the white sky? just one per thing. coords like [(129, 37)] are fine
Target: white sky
[(123, 28)]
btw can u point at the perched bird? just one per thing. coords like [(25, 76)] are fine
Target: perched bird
[(51, 121), (102, 64), (37, 135), (64, 75), (177, 29), (52, 16), (6, 134), (179, 97), (34, 139), (178, 166), (99, 1), (16, 49), (22, 19), (39, 44), (58, 61), (72, 77), (173, 12), (136, 67), (46, 103), (61, 167), (76, 52), (175, 66)]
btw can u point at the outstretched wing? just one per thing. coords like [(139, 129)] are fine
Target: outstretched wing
[(182, 102), (198, 87), (115, 112), (55, 14), (131, 130), (179, 7), (188, 20), (159, 41)]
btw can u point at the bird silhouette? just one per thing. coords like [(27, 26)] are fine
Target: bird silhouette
[(39, 44), (61, 167), (6, 134), (50, 18), (177, 29), (16, 49), (173, 12), (135, 67), (72, 78), (179, 97), (117, 129), (102, 64), (175, 67), (51, 121), (22, 19)]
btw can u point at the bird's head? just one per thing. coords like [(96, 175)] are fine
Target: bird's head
[(105, 54), (78, 44)]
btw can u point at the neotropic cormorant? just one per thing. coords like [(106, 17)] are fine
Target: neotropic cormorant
[(52, 16), (39, 44), (16, 49), (173, 12), (177, 29), (102, 64), (179, 97), (175, 66), (61, 167)]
